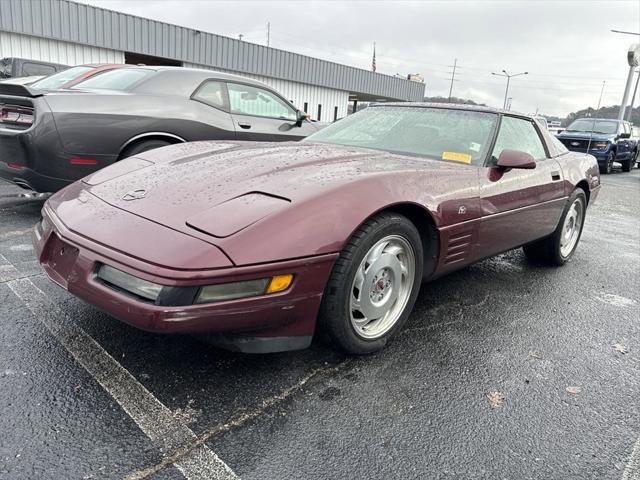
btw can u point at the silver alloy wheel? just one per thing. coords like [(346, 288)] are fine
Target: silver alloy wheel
[(571, 228), (382, 286)]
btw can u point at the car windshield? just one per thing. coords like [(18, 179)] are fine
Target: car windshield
[(58, 79), (595, 126), (121, 79), (436, 133)]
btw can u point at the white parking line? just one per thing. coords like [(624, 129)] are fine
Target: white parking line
[(156, 421), (632, 471)]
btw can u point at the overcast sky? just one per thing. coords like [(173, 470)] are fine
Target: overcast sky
[(566, 46)]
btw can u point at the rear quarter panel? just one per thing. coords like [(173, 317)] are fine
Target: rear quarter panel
[(101, 124)]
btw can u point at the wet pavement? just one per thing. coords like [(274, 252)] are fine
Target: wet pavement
[(504, 370)]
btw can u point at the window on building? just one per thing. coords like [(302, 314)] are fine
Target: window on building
[(319, 112), (518, 134), (248, 100), (211, 93), (335, 113), (139, 59), (306, 107)]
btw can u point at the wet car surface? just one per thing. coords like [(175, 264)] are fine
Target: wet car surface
[(504, 370)]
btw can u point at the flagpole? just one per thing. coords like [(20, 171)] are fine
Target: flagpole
[(373, 63)]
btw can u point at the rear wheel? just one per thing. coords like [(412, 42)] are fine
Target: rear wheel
[(608, 165), (373, 285), (627, 165), (558, 248), (143, 146)]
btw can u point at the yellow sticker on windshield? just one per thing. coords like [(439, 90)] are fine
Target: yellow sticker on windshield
[(457, 157)]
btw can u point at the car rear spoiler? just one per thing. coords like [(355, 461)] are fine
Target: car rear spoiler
[(15, 90)]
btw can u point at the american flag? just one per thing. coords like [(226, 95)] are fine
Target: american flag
[(373, 63)]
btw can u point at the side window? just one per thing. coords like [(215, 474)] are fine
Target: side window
[(5, 68), (31, 69), (518, 134), (211, 93), (248, 100), (559, 146)]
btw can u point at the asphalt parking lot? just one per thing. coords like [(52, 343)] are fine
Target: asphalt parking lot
[(505, 371)]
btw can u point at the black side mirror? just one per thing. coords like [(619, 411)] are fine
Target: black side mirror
[(301, 117), (625, 135), (516, 159)]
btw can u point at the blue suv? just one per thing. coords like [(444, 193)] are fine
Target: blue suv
[(606, 139)]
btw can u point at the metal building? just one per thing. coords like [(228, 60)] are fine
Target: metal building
[(71, 33)]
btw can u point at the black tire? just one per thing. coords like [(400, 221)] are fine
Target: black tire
[(608, 166), (334, 318), (143, 146), (627, 165), (547, 251)]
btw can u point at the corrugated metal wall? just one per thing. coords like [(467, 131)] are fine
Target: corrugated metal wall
[(299, 94), (78, 23), (34, 48)]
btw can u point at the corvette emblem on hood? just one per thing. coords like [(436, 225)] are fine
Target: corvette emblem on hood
[(134, 194)]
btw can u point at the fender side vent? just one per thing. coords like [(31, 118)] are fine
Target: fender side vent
[(458, 247)]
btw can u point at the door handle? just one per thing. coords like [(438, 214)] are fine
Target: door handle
[(244, 125), (555, 176)]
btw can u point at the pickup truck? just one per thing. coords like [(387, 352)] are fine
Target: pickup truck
[(608, 140), (11, 67), (635, 139)]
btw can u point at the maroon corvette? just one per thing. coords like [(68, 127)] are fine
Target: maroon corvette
[(258, 246)]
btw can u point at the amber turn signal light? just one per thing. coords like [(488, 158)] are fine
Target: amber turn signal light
[(279, 283)]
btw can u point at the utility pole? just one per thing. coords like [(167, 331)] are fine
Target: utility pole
[(453, 76), (508, 76), (268, 34)]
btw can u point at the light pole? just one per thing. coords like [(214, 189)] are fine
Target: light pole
[(633, 58), (505, 74), (633, 98)]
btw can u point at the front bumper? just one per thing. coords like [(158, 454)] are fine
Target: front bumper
[(287, 318), (601, 157)]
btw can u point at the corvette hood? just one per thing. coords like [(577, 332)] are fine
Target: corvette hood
[(220, 188)]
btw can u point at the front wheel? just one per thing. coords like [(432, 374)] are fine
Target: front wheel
[(558, 248), (373, 285)]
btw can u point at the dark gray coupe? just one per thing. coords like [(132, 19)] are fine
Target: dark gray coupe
[(50, 139)]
